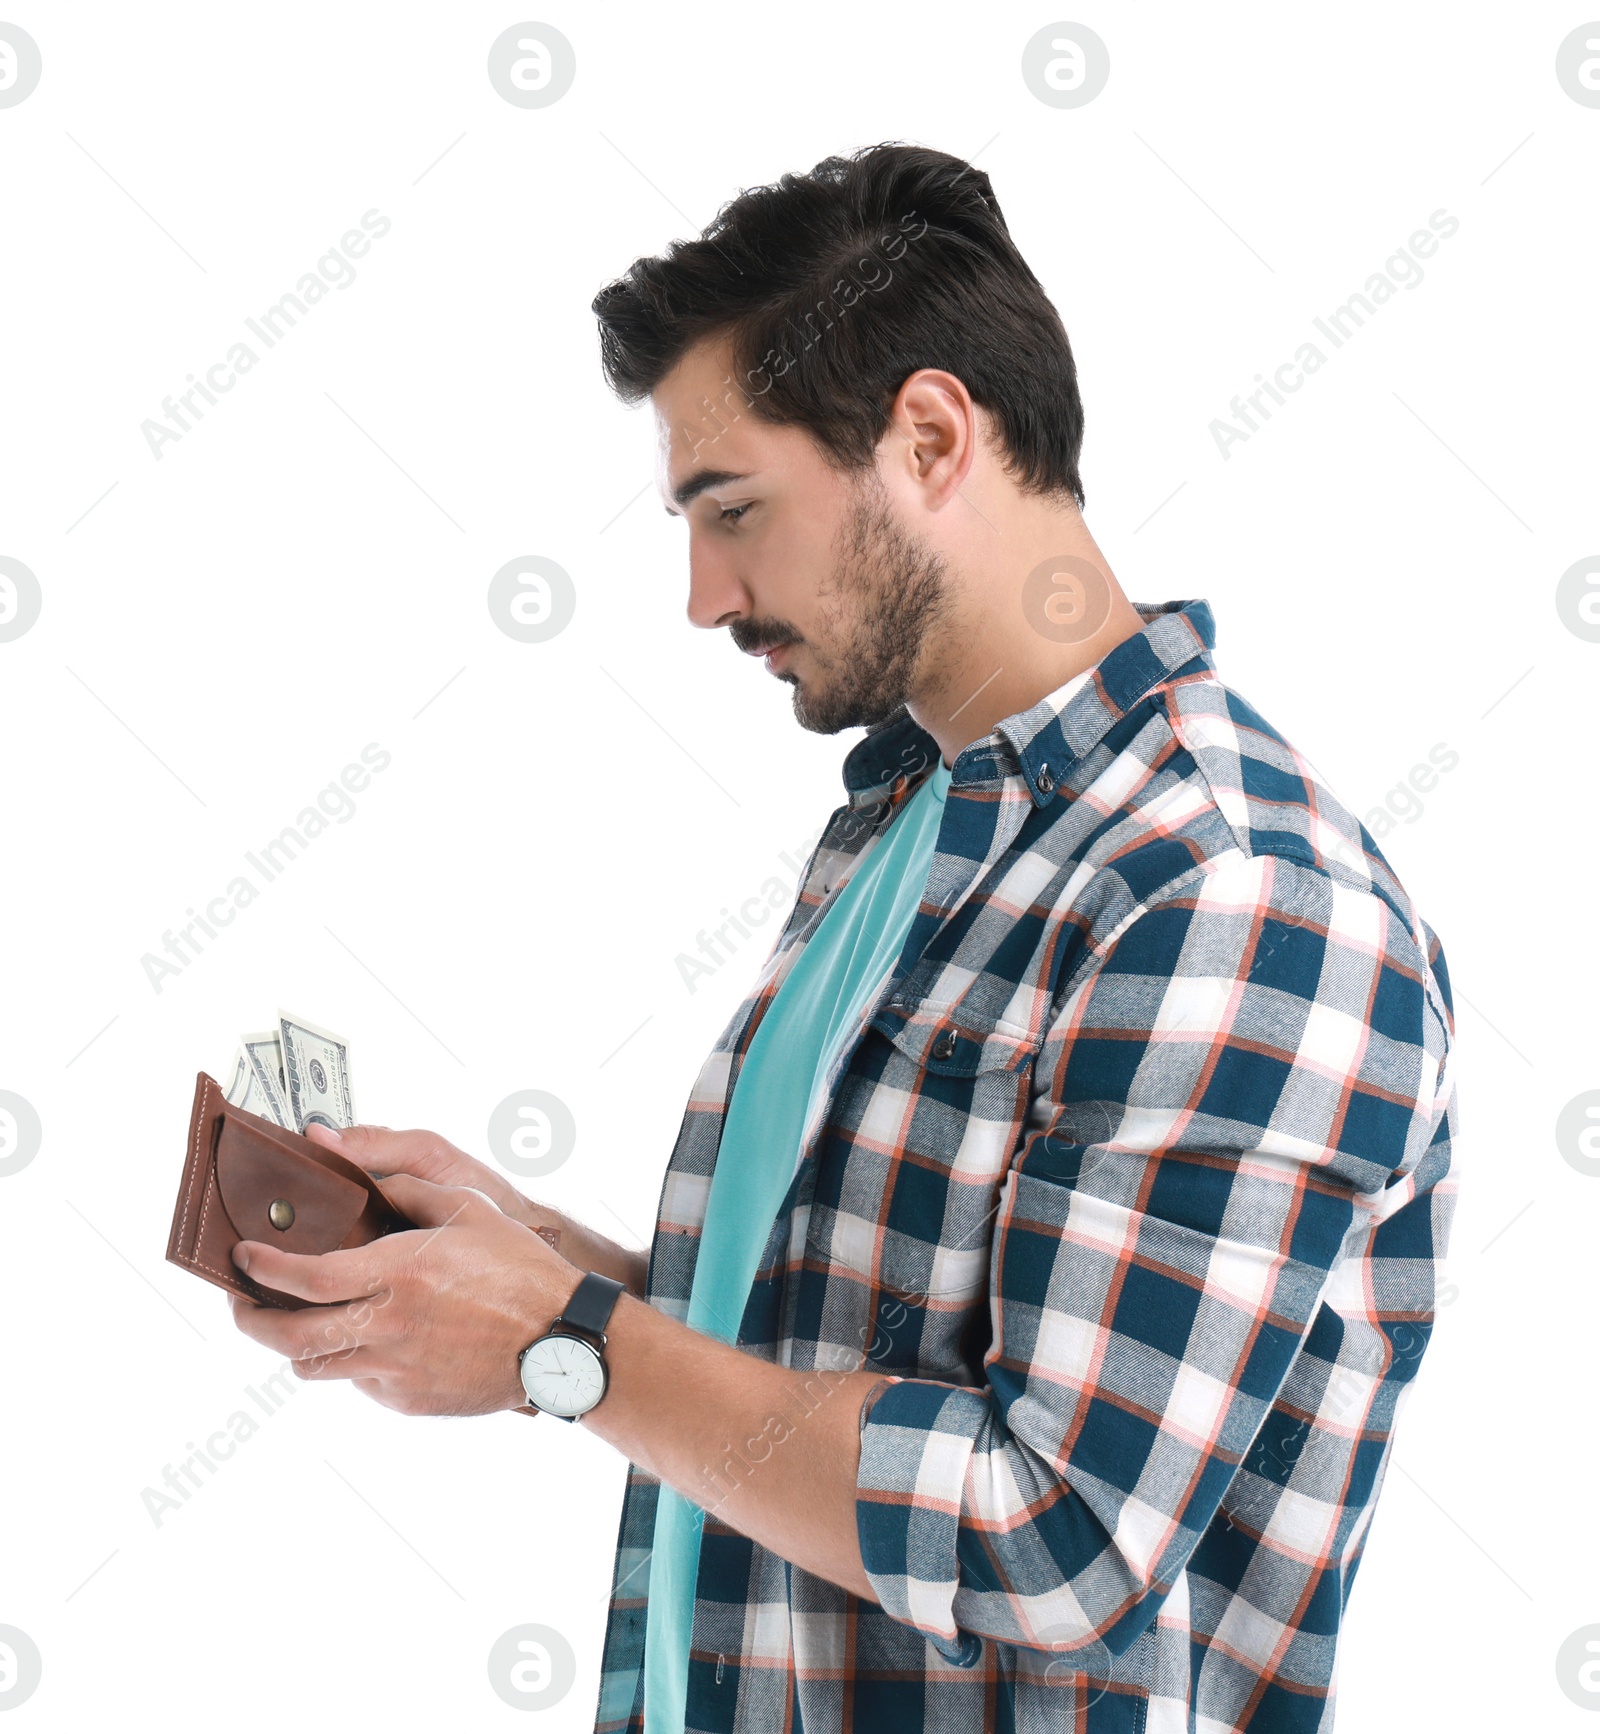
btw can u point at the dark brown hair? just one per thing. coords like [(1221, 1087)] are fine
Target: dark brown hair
[(833, 286)]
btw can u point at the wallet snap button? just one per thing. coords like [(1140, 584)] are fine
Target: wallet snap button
[(280, 1213)]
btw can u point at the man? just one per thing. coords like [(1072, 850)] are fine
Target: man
[(1050, 1239)]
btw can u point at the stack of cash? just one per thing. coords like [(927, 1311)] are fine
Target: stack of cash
[(297, 1075)]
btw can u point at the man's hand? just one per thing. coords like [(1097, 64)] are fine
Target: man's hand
[(429, 1321), (427, 1156)]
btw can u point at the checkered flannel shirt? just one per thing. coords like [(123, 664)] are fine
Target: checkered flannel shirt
[(1133, 1186)]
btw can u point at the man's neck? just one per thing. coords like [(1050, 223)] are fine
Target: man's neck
[(1024, 625)]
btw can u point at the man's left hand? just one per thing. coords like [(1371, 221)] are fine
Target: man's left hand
[(428, 1321)]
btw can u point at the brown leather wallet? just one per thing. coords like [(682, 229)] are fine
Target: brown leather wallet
[(245, 1178)]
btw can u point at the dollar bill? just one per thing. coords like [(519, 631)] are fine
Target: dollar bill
[(264, 1057), (316, 1073), (245, 1093), (238, 1090)]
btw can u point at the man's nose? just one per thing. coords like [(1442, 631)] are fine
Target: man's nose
[(717, 596)]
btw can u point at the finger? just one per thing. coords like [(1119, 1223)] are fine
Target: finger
[(311, 1333), (431, 1206), (318, 1133), (272, 1327), (324, 1278), (355, 1363), (381, 1150)]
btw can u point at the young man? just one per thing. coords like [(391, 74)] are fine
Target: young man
[(1050, 1239)]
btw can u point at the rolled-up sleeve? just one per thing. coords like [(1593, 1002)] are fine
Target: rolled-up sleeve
[(1241, 1075)]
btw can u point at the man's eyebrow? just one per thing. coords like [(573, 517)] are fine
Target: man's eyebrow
[(700, 481)]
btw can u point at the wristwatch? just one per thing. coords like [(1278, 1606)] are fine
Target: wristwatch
[(564, 1371)]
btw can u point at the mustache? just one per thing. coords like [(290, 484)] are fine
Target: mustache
[(751, 635)]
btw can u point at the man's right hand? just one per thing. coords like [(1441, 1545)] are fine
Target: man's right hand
[(380, 1151)]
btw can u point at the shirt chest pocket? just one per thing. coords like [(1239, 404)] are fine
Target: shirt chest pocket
[(918, 1144)]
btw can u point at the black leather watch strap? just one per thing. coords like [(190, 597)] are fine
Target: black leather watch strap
[(591, 1305)]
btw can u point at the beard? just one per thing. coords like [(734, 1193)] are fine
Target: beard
[(885, 598)]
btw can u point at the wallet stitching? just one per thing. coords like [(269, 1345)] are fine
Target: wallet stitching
[(205, 1206), (194, 1168), (236, 1276)]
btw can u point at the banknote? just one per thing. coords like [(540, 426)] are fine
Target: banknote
[(264, 1057), (238, 1091), (316, 1075)]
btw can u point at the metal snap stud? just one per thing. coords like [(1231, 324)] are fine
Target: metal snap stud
[(280, 1213)]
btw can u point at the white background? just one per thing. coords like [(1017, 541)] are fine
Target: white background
[(229, 625)]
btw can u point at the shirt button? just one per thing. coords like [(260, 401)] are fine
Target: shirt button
[(945, 1046), (1045, 781)]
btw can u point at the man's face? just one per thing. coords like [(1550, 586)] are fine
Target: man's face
[(802, 564)]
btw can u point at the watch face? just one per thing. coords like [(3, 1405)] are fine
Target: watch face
[(563, 1375)]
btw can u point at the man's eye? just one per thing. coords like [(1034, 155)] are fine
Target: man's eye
[(732, 514)]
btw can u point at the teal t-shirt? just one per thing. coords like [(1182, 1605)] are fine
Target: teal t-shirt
[(816, 1008)]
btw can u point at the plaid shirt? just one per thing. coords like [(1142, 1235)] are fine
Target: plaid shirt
[(1133, 1185)]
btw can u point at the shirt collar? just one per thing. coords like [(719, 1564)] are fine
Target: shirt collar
[(1045, 742)]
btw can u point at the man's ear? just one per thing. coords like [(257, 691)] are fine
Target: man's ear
[(933, 434)]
